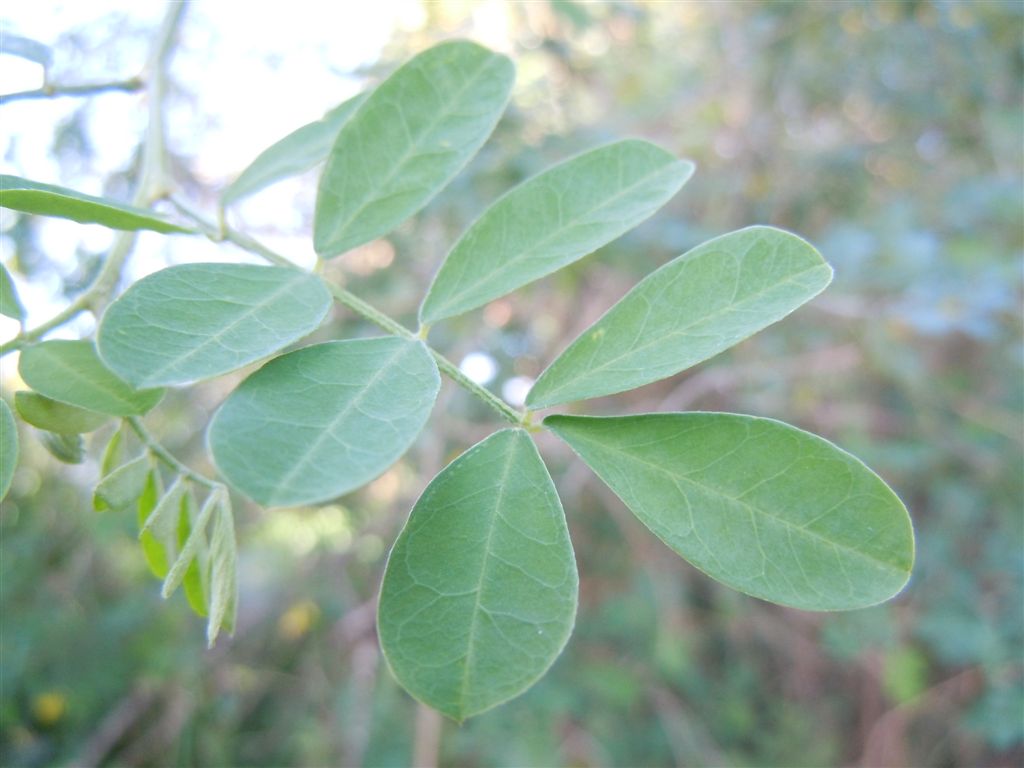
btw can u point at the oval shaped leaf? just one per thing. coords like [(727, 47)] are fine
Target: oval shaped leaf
[(296, 153), (44, 413), (8, 448), (196, 321), (50, 200), (321, 421), (71, 372), (479, 595), (552, 220), (407, 141), (10, 305), (766, 508), (689, 310)]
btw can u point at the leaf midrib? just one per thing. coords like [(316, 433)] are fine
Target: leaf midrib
[(455, 298), (464, 686), (590, 373)]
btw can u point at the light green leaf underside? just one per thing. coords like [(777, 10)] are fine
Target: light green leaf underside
[(296, 153), (49, 200), (321, 421), (10, 305), (766, 508), (122, 487), (479, 595), (71, 372), (196, 321), (406, 142), (223, 573), (53, 416), (552, 220), (8, 448), (689, 310)]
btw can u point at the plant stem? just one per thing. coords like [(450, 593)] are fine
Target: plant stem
[(53, 91), (148, 188), (166, 456)]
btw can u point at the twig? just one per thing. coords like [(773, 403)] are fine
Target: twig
[(54, 91)]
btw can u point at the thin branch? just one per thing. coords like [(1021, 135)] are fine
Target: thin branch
[(54, 91)]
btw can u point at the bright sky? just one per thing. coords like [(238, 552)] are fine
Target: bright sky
[(253, 73)]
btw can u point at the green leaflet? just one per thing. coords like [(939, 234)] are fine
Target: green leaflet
[(552, 220), (479, 595), (194, 583), (323, 420), (296, 153), (71, 372), (154, 549), (406, 142), (8, 448), (122, 487), (762, 506), (196, 321), (50, 200), (223, 573), (689, 310), (53, 416), (194, 545), (10, 305)]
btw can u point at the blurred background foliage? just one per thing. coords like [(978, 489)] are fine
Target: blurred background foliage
[(890, 134)]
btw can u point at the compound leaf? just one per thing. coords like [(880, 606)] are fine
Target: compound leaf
[(552, 220), (10, 304), (50, 200), (406, 142), (321, 421), (196, 321), (53, 416), (71, 372), (692, 308), (296, 153), (766, 508), (8, 448), (479, 595)]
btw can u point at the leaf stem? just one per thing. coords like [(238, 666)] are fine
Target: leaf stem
[(155, 448)]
